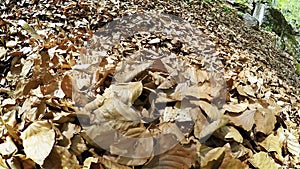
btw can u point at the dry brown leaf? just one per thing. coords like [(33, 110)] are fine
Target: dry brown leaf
[(115, 109), (26, 67), (229, 162), (179, 157), (244, 120), (236, 108), (246, 90), (210, 110), (88, 162), (292, 142), (261, 160), (126, 92), (135, 148), (264, 120), (211, 156), (66, 85), (38, 140), (60, 157), (110, 164), (126, 72), (210, 128), (274, 142), (2, 52), (229, 133), (183, 90)]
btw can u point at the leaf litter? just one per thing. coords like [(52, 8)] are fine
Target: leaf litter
[(42, 42)]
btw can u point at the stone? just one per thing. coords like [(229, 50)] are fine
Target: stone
[(251, 21)]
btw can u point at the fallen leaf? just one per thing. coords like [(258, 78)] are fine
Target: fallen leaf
[(211, 156), (236, 108), (2, 52), (38, 140), (263, 160), (264, 120), (8, 147), (244, 120), (179, 157), (66, 85), (293, 145), (229, 133)]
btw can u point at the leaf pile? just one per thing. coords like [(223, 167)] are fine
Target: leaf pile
[(41, 44)]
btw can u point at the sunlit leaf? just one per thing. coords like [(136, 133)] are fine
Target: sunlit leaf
[(38, 140), (262, 160)]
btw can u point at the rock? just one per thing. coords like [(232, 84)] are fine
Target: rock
[(251, 21), (259, 12)]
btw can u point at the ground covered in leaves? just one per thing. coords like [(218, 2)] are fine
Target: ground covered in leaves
[(255, 124)]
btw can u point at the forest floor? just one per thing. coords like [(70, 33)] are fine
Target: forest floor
[(248, 119)]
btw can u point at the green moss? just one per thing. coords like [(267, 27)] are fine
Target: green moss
[(298, 68), (227, 9), (268, 28)]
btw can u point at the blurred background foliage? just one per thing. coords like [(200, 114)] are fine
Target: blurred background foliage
[(290, 9)]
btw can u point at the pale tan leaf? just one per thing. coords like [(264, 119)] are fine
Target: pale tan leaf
[(126, 92), (179, 157), (244, 120), (110, 164), (274, 142), (210, 110), (292, 142), (210, 155), (3, 164), (236, 108), (229, 133), (153, 41), (2, 52), (8, 147), (135, 148), (261, 160), (29, 29), (88, 162), (38, 140), (60, 157), (246, 90), (11, 43), (229, 161), (114, 109), (78, 145), (210, 128), (265, 120), (171, 128), (26, 67), (183, 90)]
